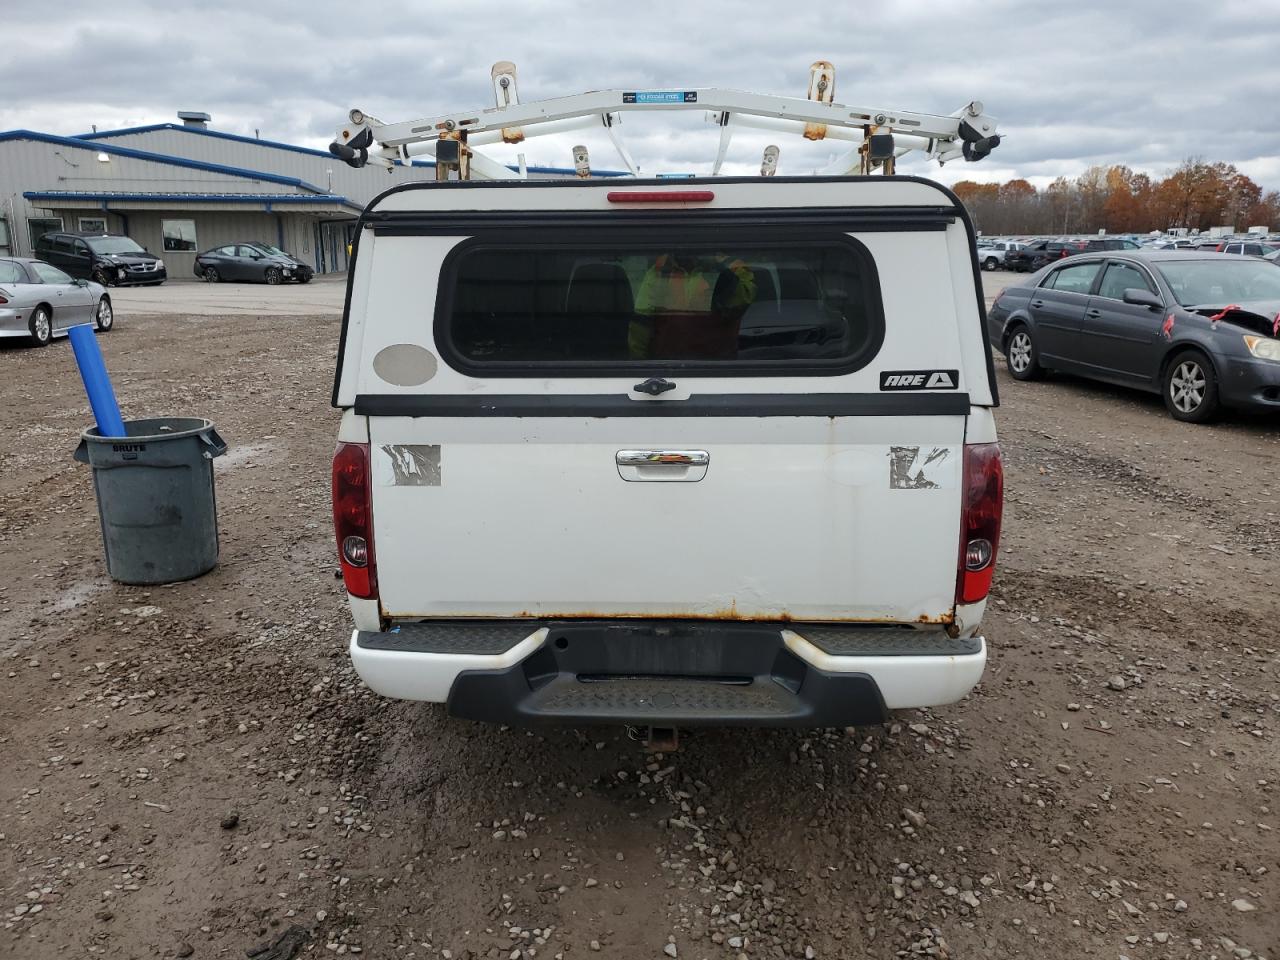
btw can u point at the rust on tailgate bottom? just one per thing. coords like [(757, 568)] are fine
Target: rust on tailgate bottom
[(726, 613)]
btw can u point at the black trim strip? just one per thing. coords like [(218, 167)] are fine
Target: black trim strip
[(621, 183), (417, 223), (346, 312), (698, 405), (979, 292)]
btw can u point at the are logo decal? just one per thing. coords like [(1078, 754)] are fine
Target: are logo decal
[(919, 379)]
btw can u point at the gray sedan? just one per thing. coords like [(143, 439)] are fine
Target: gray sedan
[(1201, 329), (39, 302)]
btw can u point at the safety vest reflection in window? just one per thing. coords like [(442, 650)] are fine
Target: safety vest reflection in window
[(690, 308)]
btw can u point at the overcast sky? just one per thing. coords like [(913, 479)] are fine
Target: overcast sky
[(1072, 84)]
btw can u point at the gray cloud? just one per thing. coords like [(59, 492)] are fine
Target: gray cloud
[(1141, 83)]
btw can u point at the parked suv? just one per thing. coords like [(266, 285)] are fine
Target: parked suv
[(1098, 244), (1249, 248), (104, 258), (718, 453), (1038, 253)]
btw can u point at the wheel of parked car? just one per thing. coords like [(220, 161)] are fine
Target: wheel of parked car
[(1021, 356), (211, 275), (41, 326), (104, 317), (990, 263), (273, 275), (100, 277), (1191, 387)]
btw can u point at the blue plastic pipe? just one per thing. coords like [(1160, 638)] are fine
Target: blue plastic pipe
[(96, 382)]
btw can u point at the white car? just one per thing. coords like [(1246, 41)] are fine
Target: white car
[(716, 453)]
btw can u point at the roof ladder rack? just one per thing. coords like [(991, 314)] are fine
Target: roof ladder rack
[(878, 137)]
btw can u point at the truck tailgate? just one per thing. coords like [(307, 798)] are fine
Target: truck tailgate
[(806, 518)]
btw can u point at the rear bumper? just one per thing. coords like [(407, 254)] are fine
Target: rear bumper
[(670, 673), (13, 323)]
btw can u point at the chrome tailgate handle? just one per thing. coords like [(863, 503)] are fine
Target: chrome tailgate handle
[(658, 458)]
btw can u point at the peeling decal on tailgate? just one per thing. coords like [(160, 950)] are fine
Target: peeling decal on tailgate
[(406, 465), (922, 468)]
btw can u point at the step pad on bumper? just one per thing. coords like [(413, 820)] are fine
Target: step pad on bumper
[(672, 699), (476, 637), (862, 641), (797, 696)]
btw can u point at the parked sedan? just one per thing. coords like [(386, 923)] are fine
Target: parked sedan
[(253, 261), (39, 302), (1203, 330)]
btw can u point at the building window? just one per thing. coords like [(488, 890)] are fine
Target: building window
[(37, 227), (5, 245), (179, 235), (93, 224)]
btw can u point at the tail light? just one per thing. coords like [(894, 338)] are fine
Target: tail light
[(353, 519), (981, 510)]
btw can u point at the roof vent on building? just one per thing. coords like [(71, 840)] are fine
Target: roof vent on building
[(194, 118)]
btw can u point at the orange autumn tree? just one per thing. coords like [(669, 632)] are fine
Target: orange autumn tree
[(1121, 211)]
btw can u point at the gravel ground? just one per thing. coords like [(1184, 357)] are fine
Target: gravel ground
[(194, 770)]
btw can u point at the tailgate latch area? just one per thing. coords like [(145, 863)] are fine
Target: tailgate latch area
[(654, 386)]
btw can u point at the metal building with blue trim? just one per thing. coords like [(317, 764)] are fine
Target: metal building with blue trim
[(178, 189)]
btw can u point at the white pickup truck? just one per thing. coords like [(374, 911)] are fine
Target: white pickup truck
[(991, 253), (715, 452)]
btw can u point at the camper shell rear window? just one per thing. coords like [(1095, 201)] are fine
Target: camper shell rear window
[(716, 303)]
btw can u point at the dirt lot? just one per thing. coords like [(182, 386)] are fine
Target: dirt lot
[(193, 770)]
